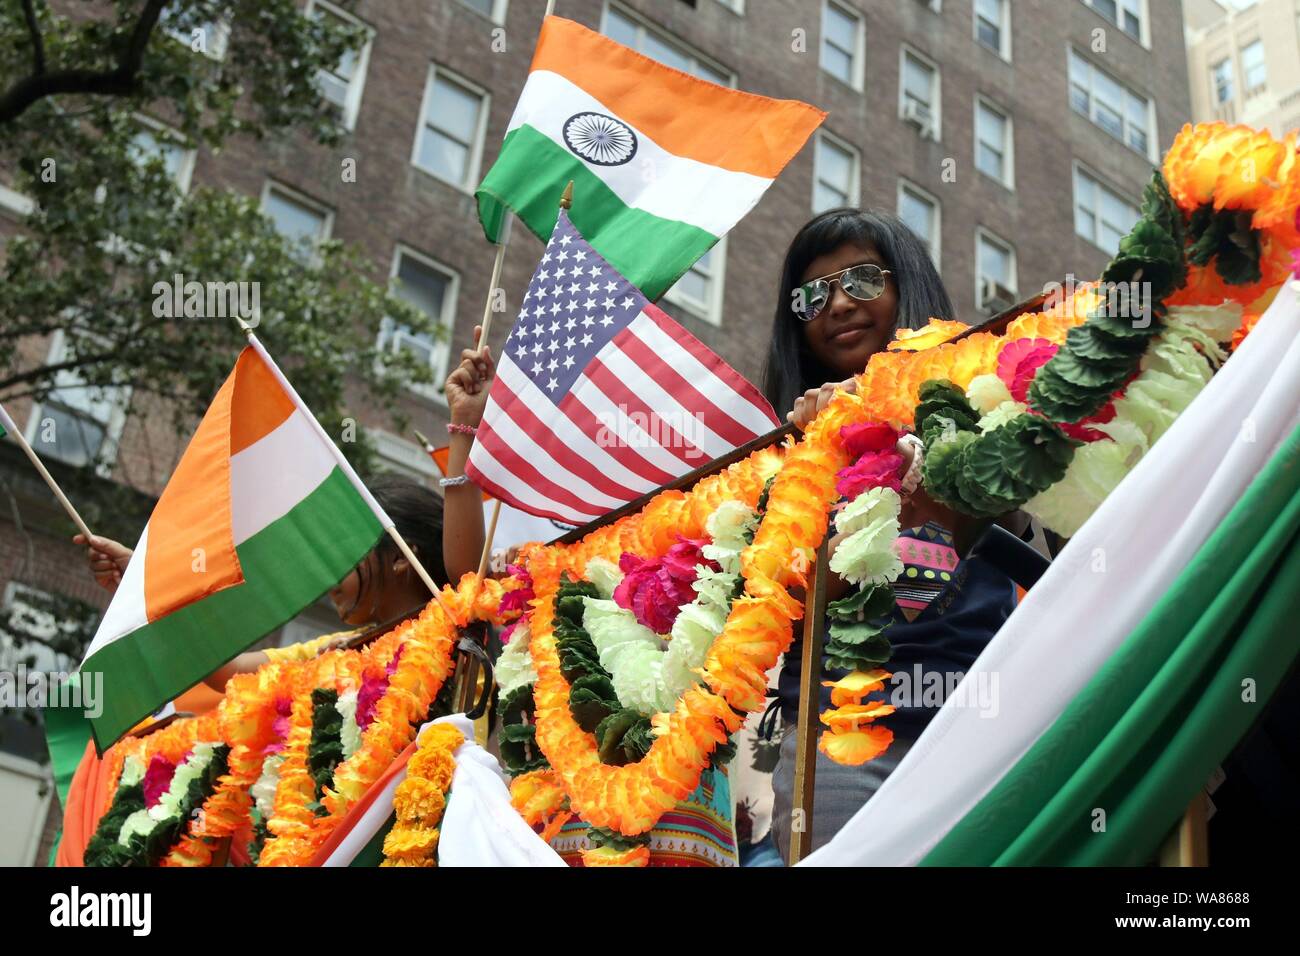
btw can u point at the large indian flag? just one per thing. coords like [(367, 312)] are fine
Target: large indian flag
[(663, 163), (262, 516), (1136, 664)]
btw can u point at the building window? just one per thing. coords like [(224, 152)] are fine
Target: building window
[(994, 143), (494, 10), (1221, 79), (919, 93), (430, 288), (1108, 103), (630, 30), (208, 37), (920, 211), (842, 43), (306, 224), (449, 142), (993, 26), (836, 172), (1128, 15), (403, 456), (699, 290), (342, 85), (77, 424), (735, 6), (1254, 70), (156, 141), (1101, 215), (995, 279)]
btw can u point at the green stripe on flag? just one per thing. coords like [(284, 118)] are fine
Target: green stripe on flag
[(287, 565), (372, 854), (1142, 738), (529, 177)]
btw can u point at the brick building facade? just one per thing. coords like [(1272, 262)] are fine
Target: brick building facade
[(1016, 133)]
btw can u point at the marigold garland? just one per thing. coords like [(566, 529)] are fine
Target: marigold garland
[(420, 799)]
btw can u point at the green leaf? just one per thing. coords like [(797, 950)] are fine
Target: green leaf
[(591, 700), (865, 603)]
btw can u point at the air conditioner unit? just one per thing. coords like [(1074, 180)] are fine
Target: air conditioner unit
[(920, 116), (995, 297)]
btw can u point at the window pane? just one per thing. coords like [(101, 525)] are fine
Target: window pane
[(482, 6), (293, 220), (918, 214), (1108, 91), (657, 49), (837, 63), (620, 28), (840, 27), (1222, 75), (1252, 65), (1107, 9), (1109, 120), (825, 197), (1085, 223), (834, 166), (694, 286), (989, 35), (421, 287), (1080, 70), (995, 263), (444, 157), (917, 80), (76, 440), (1080, 100), (454, 110), (989, 161), (147, 145)]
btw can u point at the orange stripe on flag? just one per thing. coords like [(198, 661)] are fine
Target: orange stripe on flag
[(260, 405), (685, 115), (191, 549)]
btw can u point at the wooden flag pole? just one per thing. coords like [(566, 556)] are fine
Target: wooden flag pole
[(12, 429), (810, 686)]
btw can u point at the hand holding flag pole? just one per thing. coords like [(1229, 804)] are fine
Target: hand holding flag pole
[(7, 426)]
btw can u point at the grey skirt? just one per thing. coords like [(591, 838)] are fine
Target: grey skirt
[(838, 791)]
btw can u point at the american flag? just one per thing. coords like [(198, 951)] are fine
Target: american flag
[(600, 397)]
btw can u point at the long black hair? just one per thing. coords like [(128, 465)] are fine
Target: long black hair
[(417, 513), (792, 369)]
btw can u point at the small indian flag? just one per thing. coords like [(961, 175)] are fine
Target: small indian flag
[(262, 516), (663, 163)]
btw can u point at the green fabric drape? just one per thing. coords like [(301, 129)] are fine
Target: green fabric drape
[(1145, 733)]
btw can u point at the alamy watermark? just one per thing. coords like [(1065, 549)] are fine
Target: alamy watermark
[(1121, 300), (207, 300), (40, 689), (623, 428)]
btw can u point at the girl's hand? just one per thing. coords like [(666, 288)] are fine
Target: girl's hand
[(468, 385), (107, 559), (815, 399)]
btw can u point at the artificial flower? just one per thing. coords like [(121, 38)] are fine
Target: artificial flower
[(987, 392), (1020, 360)]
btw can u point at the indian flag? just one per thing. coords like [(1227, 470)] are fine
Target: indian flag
[(262, 516), (1136, 664), (663, 163)]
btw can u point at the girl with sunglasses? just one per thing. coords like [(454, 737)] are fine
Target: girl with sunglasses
[(851, 278)]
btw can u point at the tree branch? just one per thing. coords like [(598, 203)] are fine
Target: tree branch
[(38, 42), (120, 81)]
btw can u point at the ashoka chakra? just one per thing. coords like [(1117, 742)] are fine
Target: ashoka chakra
[(600, 139)]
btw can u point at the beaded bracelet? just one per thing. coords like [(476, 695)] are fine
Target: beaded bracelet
[(453, 482), (461, 429)]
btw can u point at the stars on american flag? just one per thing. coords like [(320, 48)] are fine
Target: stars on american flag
[(573, 306)]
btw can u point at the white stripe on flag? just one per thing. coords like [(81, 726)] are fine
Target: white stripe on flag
[(537, 456), (702, 379), (126, 612), (686, 423), (275, 473), (632, 437), (654, 180), (504, 478), (1182, 490), (564, 428)]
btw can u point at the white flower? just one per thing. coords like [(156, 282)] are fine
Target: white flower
[(263, 792), (514, 668), (868, 507), (605, 575), (350, 734), (1000, 415), (987, 392), (1218, 321), (132, 771)]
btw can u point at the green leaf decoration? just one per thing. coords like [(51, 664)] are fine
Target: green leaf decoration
[(942, 465), (1092, 376), (871, 601), (102, 849), (600, 837), (1085, 342), (325, 751), (859, 632), (943, 407), (591, 700), (638, 740), (1238, 259), (610, 733)]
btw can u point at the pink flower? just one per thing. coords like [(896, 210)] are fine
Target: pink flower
[(280, 727), (654, 591), (1295, 255), (868, 436), (157, 779), (873, 470), (373, 689), (1020, 360), (517, 600)]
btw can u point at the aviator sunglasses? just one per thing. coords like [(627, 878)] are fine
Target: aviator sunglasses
[(864, 282)]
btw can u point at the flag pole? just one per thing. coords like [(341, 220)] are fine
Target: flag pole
[(8, 424), (805, 761)]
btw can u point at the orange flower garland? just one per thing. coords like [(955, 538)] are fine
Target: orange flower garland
[(420, 799)]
